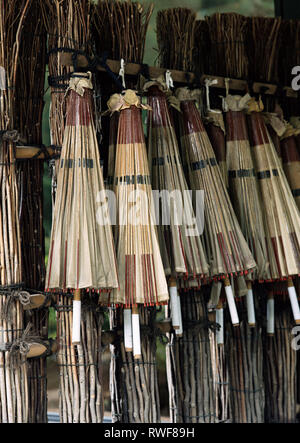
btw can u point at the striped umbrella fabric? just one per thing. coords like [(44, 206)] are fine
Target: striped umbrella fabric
[(180, 242)]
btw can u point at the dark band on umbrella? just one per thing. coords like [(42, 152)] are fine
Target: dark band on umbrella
[(202, 164), (132, 180), (161, 161), (267, 174), (87, 163), (236, 128)]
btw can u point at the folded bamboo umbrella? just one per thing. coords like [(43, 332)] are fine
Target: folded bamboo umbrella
[(282, 214), (142, 279), (227, 250), (291, 161), (244, 192), (179, 237), (81, 252)]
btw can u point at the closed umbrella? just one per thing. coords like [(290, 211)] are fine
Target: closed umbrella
[(282, 214), (81, 252), (180, 242), (141, 272), (227, 251)]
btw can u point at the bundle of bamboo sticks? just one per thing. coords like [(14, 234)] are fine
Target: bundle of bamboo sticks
[(68, 26), (244, 354), (289, 50), (175, 37), (280, 361), (228, 56), (192, 382), (14, 399), (134, 383), (30, 102), (121, 27), (264, 39), (80, 367)]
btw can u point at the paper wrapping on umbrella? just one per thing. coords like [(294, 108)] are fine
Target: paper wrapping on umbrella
[(243, 186), (227, 250), (141, 272), (180, 241), (282, 215), (81, 249)]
